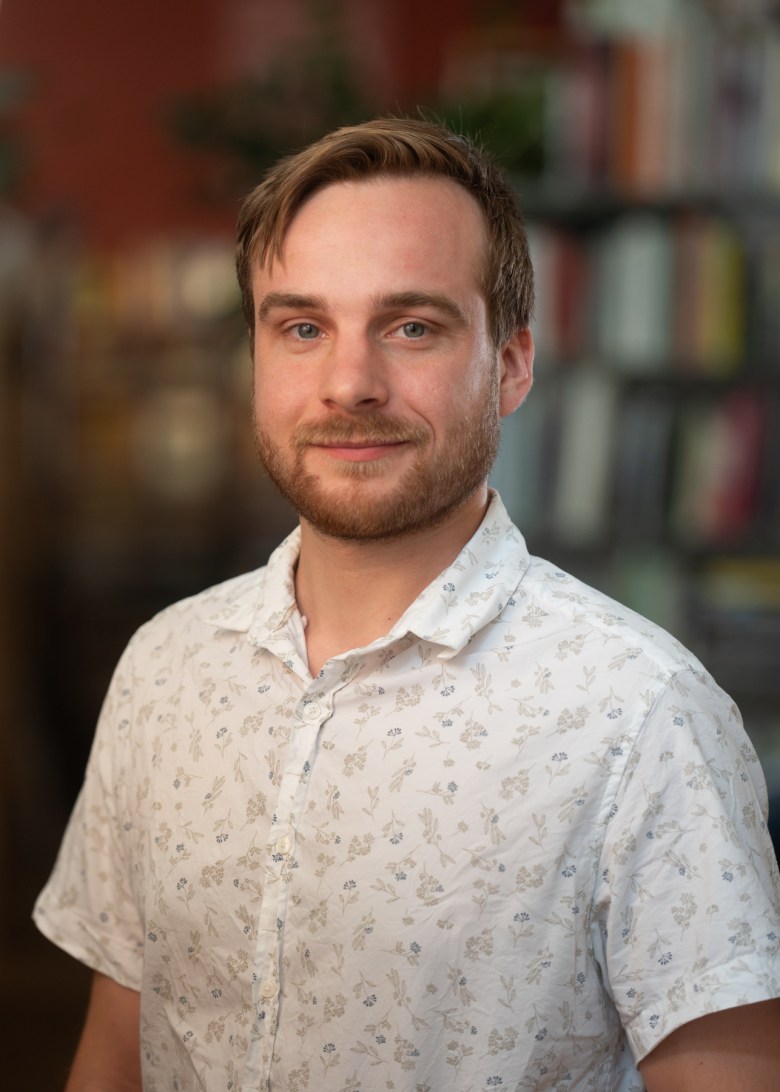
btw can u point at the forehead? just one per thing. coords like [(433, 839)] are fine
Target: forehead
[(425, 225)]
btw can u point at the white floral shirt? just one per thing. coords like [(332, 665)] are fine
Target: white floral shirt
[(512, 844)]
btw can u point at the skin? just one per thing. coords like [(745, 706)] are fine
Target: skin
[(335, 360), (737, 1050), (349, 335), (108, 1056)]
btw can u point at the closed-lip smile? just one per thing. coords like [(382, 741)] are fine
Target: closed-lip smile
[(359, 450)]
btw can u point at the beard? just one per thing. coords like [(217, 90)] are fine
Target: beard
[(433, 488)]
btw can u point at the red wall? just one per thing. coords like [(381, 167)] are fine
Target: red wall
[(92, 123), (103, 74)]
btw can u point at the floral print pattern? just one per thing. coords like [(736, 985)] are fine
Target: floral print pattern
[(512, 844)]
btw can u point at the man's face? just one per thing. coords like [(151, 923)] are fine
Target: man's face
[(376, 394)]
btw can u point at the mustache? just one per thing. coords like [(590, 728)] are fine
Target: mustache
[(372, 428)]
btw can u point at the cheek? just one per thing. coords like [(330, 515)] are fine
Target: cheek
[(454, 391), (268, 415), (276, 399)]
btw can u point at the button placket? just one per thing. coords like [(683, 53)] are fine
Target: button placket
[(308, 718)]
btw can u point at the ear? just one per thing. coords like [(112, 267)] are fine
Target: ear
[(517, 370)]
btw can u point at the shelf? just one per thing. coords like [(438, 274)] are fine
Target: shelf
[(594, 204)]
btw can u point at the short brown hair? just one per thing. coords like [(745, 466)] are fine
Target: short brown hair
[(403, 147)]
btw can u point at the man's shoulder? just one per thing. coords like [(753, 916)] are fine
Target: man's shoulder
[(233, 604), (572, 607), (230, 604)]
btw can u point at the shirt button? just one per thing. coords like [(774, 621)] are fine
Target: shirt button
[(267, 988), (284, 845), (312, 711)]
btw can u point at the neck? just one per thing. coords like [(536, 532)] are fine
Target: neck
[(351, 593)]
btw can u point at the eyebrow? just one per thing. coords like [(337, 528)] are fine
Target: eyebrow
[(294, 301), (436, 300), (289, 301)]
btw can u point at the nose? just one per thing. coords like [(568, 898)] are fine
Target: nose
[(353, 376)]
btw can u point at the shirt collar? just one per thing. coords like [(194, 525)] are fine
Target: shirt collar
[(261, 603), (474, 589), (466, 596)]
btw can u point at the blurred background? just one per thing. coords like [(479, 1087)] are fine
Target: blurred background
[(644, 140)]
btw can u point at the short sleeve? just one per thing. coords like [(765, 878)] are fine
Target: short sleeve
[(88, 907), (686, 916)]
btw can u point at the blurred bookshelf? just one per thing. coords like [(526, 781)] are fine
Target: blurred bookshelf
[(131, 478), (646, 459), (644, 139)]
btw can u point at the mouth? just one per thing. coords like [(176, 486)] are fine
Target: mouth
[(360, 450)]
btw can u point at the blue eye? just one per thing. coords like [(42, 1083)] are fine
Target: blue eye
[(306, 331), (413, 329)]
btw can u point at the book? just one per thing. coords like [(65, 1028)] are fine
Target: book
[(581, 500), (718, 469), (645, 429), (634, 279)]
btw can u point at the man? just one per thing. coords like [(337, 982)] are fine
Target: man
[(408, 808)]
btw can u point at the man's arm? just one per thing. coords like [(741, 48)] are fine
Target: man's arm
[(108, 1058), (737, 1048)]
